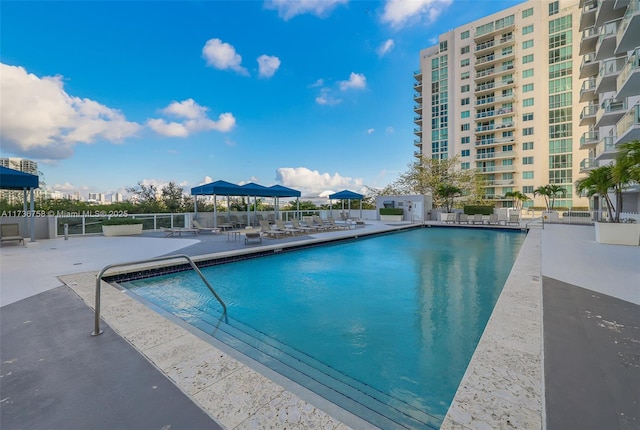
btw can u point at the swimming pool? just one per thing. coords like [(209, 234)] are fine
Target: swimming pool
[(383, 326)]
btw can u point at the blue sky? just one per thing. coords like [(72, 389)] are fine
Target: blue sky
[(315, 95)]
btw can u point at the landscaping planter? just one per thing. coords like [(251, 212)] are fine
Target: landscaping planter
[(390, 217), (122, 230), (618, 233)]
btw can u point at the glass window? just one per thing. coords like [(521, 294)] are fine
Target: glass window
[(527, 59), (561, 69), (527, 87), (528, 73), (560, 115), (553, 8), (465, 139), (527, 116), (466, 152), (464, 127), (527, 189), (527, 102), (528, 131), (464, 62), (443, 46), (528, 29), (527, 145), (464, 89), (527, 160), (527, 175), (464, 49), (560, 24), (464, 35), (560, 161), (435, 63), (464, 101), (464, 75), (464, 114), (527, 44), (465, 166), (560, 145), (527, 12), (564, 176)]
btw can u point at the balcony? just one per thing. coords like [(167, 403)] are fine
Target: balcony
[(488, 101), (417, 108), (496, 155), (417, 86), (493, 58), (417, 97), (607, 12), (492, 85), (588, 164), (588, 15), (620, 3), (588, 90), (608, 75), (484, 46), (505, 41), (588, 41), (611, 110), (606, 44), (606, 148), (502, 183), (493, 71), (589, 66), (417, 142), (417, 154), (588, 115), (628, 81), (629, 29), (589, 139), (417, 131), (417, 75), (490, 170), (493, 112), (628, 128), (506, 126), (417, 119)]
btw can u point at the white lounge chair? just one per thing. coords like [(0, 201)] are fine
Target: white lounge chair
[(477, 219), (514, 219), (493, 219), (463, 218), (196, 224)]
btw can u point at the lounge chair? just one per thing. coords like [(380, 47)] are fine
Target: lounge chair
[(269, 231), (196, 224), (224, 224), (514, 219), (177, 231), (464, 218), (302, 228), (319, 222), (252, 235), (289, 230), (477, 219), (450, 218), (10, 233), (236, 222), (332, 223), (493, 219)]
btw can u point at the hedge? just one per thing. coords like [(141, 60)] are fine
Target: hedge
[(478, 209), (391, 211), (121, 221)]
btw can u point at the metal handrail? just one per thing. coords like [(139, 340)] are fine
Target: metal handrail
[(97, 331), (533, 220)]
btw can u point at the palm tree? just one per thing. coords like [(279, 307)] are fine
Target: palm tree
[(518, 198), (600, 181), (544, 192), (628, 162), (554, 191)]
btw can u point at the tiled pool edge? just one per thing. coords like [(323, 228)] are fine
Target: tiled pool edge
[(503, 384)]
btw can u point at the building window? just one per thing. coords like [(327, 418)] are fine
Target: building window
[(465, 139), (443, 46), (465, 166), (528, 73), (527, 12), (560, 161), (560, 115), (560, 85), (464, 127), (466, 152), (527, 102), (527, 175), (527, 44), (527, 59), (527, 189), (465, 114), (554, 8), (559, 146), (561, 69), (528, 29), (527, 160), (560, 130), (464, 89), (527, 131), (560, 176), (527, 116), (527, 145), (464, 35), (464, 62), (562, 39), (527, 87), (464, 101), (560, 24), (464, 50), (464, 75), (560, 54)]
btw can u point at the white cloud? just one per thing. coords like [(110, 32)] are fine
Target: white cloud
[(370, 131), (40, 120), (267, 66), (223, 56), (312, 183), (390, 130), (325, 98), (318, 83), (356, 81), (385, 47), (400, 12), (194, 119), (288, 9)]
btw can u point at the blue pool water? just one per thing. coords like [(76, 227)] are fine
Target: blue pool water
[(384, 326)]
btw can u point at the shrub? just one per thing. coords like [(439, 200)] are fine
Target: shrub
[(391, 211), (121, 221), (478, 209)]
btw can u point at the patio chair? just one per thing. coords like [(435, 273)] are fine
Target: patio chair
[(464, 218), (450, 218), (477, 219), (493, 219), (514, 219), (303, 228), (10, 233), (335, 225), (320, 223), (223, 223), (268, 230), (252, 236), (196, 225), (288, 230)]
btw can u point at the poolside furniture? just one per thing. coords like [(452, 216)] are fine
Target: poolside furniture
[(477, 219), (514, 219), (450, 218), (252, 236), (223, 223), (236, 222), (493, 219), (289, 230), (270, 231), (360, 223), (177, 231), (303, 228), (336, 226), (464, 218), (196, 224), (10, 233)]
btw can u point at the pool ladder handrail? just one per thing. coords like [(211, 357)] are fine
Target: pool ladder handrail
[(97, 331), (534, 220)]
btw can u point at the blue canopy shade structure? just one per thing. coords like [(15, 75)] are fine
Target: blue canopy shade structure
[(346, 195), (221, 188), (280, 191), (11, 179), (16, 180)]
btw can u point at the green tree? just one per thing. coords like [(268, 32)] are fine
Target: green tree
[(517, 197), (628, 162), (447, 193), (146, 197), (550, 192), (172, 197), (599, 181), (305, 205)]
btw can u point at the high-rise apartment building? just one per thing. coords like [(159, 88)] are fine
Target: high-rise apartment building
[(20, 164), (610, 91), (502, 93)]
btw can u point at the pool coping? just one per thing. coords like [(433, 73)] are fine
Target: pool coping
[(502, 384)]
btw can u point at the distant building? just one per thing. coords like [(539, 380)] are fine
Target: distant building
[(23, 165)]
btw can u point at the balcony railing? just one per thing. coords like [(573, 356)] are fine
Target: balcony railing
[(588, 164), (485, 45), (628, 121), (588, 85), (631, 66), (589, 138), (494, 155)]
